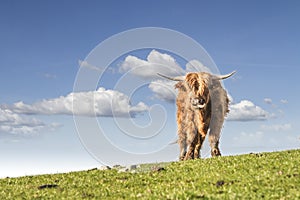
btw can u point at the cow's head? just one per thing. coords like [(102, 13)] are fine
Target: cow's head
[(197, 89), (197, 86)]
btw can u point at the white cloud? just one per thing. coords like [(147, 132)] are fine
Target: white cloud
[(284, 101), (85, 64), (277, 127), (196, 66), (14, 123), (156, 62), (49, 76), (246, 111), (101, 102), (268, 101), (163, 90)]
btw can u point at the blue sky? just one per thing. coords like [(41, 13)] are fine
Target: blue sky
[(44, 45)]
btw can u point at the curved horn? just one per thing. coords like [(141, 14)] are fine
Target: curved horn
[(177, 78), (221, 77)]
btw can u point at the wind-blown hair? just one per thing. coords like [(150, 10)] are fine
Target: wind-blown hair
[(202, 105)]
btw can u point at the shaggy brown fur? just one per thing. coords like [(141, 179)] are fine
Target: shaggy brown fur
[(202, 105)]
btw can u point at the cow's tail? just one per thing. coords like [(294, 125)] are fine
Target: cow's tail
[(174, 142)]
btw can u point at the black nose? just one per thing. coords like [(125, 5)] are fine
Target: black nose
[(201, 101)]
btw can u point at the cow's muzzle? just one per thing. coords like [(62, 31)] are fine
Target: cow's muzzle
[(198, 103)]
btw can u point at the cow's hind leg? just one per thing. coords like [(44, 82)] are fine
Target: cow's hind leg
[(182, 147), (215, 151), (216, 125), (214, 143), (182, 141)]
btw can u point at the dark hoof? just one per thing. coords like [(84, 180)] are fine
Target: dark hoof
[(189, 156), (197, 154), (215, 152)]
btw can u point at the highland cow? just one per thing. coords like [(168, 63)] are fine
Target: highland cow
[(202, 104)]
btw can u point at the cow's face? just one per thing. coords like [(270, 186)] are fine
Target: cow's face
[(198, 92)]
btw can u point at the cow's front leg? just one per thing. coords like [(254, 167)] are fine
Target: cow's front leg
[(202, 132), (190, 153), (198, 146), (191, 149)]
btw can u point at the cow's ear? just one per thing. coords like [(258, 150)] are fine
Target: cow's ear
[(180, 86)]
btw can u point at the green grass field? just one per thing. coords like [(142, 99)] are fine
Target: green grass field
[(252, 176)]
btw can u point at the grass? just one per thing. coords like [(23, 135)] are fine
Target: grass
[(253, 176)]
